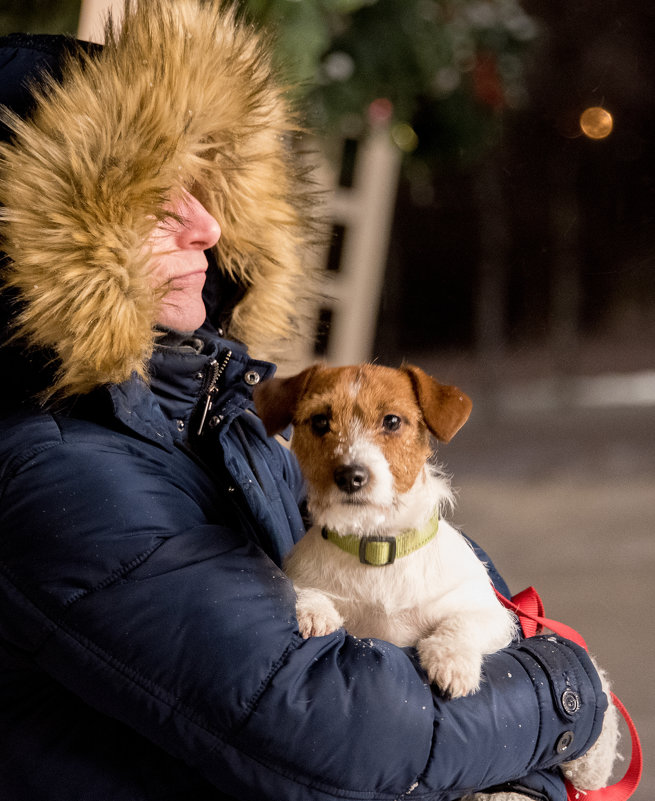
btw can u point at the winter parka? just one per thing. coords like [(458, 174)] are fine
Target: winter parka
[(148, 641)]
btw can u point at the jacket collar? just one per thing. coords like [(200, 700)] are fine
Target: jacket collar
[(165, 409)]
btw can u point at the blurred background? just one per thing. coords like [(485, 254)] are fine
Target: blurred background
[(489, 176)]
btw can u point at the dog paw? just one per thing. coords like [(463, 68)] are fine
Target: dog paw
[(316, 614), (593, 770), (455, 670)]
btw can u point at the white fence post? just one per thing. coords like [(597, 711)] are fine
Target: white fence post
[(353, 287)]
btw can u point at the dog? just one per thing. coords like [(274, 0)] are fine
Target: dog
[(380, 559)]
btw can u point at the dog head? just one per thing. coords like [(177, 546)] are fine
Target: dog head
[(361, 433)]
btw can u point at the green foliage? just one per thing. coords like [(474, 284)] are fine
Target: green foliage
[(449, 67)]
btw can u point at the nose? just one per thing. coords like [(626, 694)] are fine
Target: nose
[(199, 229), (350, 478)]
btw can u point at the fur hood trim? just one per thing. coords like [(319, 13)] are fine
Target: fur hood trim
[(183, 96)]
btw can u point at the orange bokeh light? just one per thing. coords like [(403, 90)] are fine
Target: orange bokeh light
[(596, 122)]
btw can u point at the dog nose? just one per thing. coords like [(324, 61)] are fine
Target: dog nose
[(351, 478)]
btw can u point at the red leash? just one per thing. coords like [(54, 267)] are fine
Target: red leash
[(529, 609)]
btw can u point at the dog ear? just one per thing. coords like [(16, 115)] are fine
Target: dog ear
[(445, 409), (276, 400)]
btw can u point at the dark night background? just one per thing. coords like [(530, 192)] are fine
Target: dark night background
[(548, 242)]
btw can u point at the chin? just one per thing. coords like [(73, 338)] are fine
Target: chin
[(352, 516), (183, 321)]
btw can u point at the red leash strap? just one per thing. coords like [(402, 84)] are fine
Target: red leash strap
[(529, 609)]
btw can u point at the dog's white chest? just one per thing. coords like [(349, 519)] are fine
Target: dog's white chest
[(398, 602)]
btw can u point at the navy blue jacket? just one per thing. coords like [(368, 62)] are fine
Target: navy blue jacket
[(148, 641)]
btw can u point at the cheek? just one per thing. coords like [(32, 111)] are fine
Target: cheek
[(315, 456), (161, 248), (169, 267), (406, 456)]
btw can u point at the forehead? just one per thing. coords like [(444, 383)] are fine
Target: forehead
[(359, 390)]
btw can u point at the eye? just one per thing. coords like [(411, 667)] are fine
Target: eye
[(391, 422), (320, 424)]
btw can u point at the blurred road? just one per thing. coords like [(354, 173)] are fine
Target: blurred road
[(557, 483)]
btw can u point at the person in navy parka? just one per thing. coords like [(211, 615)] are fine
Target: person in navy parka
[(148, 641)]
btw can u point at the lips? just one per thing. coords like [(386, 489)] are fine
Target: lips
[(191, 278)]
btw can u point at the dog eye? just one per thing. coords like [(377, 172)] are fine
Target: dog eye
[(320, 424), (391, 422)]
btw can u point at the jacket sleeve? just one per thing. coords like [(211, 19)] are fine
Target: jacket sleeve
[(122, 590)]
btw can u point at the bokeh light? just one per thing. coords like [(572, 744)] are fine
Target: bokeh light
[(404, 136), (596, 122), (380, 111)]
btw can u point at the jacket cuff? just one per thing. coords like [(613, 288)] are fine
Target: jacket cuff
[(540, 704), (575, 694)]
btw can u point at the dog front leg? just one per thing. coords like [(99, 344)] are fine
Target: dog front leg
[(451, 656), (316, 613), (457, 637)]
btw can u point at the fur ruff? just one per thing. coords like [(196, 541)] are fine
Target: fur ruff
[(184, 95)]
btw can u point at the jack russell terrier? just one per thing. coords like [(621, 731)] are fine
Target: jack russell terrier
[(380, 560)]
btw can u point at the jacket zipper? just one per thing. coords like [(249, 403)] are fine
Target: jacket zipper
[(216, 370)]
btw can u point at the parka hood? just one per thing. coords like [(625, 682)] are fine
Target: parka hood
[(183, 96)]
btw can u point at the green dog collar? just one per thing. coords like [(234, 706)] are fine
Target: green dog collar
[(381, 551)]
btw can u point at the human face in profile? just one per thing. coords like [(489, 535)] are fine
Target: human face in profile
[(180, 265)]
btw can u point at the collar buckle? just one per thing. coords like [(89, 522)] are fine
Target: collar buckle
[(376, 558)]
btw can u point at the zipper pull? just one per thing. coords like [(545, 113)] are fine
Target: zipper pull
[(205, 411), (216, 370)]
